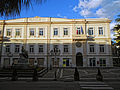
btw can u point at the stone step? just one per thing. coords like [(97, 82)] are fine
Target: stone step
[(94, 86)]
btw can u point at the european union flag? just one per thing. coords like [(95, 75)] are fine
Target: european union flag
[(82, 30)]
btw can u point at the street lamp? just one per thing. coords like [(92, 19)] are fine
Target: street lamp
[(9, 54), (55, 52), (118, 54)]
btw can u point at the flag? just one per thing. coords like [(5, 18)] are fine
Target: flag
[(82, 30)]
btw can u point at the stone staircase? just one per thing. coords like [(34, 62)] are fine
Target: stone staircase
[(94, 86)]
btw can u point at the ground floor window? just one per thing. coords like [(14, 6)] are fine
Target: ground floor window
[(40, 61), (92, 62), (116, 62), (102, 61), (31, 61), (65, 62), (55, 62), (6, 62), (15, 60)]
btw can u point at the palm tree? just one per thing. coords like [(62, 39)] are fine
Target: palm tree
[(13, 7)]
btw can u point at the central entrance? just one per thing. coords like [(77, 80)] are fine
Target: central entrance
[(79, 59)]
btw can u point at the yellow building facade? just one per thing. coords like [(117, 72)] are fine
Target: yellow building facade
[(81, 42)]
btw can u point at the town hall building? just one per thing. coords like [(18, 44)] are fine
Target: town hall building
[(79, 42)]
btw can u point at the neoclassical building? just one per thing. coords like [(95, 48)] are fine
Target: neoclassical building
[(81, 42)]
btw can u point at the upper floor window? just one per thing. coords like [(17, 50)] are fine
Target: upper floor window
[(65, 48), (65, 31), (0, 32), (40, 48), (102, 61), (55, 47), (100, 30), (90, 31), (17, 48), (102, 48), (41, 31), (31, 48), (32, 32), (7, 48), (55, 31), (8, 32), (91, 48), (17, 32)]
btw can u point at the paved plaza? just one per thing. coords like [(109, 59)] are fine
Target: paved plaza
[(65, 80)]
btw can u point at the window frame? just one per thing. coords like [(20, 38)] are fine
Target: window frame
[(65, 31), (33, 32), (8, 32), (100, 31), (90, 31), (66, 49), (55, 30), (41, 30), (31, 49)]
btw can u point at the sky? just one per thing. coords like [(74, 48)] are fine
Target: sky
[(73, 9)]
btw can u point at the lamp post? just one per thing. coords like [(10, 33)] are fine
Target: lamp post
[(55, 52), (9, 54), (118, 54)]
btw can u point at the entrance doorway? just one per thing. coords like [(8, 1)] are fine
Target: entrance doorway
[(79, 59)]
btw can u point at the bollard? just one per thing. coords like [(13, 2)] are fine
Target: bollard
[(99, 76), (76, 75), (14, 75), (35, 75)]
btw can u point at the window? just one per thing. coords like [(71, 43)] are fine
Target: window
[(100, 30), (91, 48), (65, 31), (102, 48), (17, 48), (65, 48), (90, 31), (41, 31), (40, 48), (55, 31), (17, 32), (78, 31), (31, 48), (7, 48), (92, 62), (8, 32), (102, 62), (55, 47), (0, 32), (32, 32)]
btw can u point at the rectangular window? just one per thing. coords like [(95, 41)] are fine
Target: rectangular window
[(92, 62), (17, 32), (41, 31), (31, 48), (65, 48), (0, 32), (102, 48), (55, 31), (91, 48), (17, 48), (8, 32), (55, 47), (40, 48), (100, 30), (78, 31), (102, 62), (65, 31), (7, 48), (32, 32), (90, 31)]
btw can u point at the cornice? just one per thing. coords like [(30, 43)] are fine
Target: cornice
[(64, 22)]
